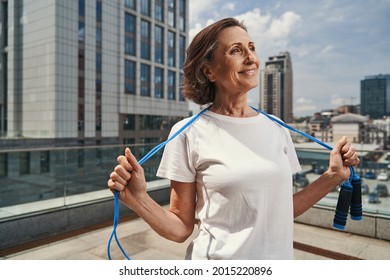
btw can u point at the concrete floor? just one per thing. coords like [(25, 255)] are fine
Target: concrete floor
[(142, 243)]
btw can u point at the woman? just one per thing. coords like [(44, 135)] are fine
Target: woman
[(230, 171)]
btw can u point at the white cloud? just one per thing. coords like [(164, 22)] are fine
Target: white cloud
[(281, 27), (336, 18), (193, 31), (327, 49), (271, 34), (337, 101), (198, 8), (229, 7), (304, 107)]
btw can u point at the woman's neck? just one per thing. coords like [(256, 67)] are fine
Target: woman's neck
[(238, 109)]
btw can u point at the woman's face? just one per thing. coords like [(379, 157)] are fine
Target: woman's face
[(236, 66)]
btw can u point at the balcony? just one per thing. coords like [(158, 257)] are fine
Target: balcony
[(46, 194)]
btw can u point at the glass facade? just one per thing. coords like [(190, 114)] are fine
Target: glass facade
[(145, 7), (145, 39), (130, 34), (130, 77), (145, 80), (98, 70), (81, 71), (158, 82), (159, 10), (172, 13), (3, 68), (171, 48), (171, 85), (131, 4), (159, 44), (375, 96), (182, 15), (182, 50)]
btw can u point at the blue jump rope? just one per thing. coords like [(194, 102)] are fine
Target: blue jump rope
[(350, 198)]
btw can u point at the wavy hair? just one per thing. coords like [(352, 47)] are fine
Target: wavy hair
[(195, 85)]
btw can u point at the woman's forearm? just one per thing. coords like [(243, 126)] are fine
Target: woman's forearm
[(163, 221), (306, 198)]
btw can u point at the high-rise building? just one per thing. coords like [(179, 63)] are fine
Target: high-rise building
[(375, 96), (277, 87), (87, 72)]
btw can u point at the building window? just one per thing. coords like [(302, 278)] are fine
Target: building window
[(98, 63), (99, 11), (145, 7), (145, 80), (182, 15), (81, 117), (128, 141), (130, 34), (182, 50), (159, 82), (148, 122), (24, 163), (159, 10), (98, 86), (80, 86), (145, 39), (81, 8), (130, 4), (171, 85), (81, 31), (129, 122), (130, 77), (3, 165), (159, 44), (80, 158), (171, 13), (171, 49), (98, 37), (45, 161)]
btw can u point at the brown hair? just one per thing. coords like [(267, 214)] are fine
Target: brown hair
[(196, 85)]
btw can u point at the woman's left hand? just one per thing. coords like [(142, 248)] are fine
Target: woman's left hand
[(342, 157)]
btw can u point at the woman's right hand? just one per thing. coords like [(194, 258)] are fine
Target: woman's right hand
[(128, 178)]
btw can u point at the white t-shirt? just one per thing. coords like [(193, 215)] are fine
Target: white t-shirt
[(243, 171)]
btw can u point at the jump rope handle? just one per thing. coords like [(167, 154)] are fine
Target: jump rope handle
[(356, 209), (350, 199)]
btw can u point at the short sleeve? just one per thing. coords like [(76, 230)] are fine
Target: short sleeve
[(176, 162), (292, 154)]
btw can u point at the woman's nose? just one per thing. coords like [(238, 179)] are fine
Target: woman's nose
[(250, 56)]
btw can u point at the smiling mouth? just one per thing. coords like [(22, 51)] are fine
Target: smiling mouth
[(248, 72)]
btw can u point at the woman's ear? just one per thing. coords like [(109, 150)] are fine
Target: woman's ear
[(207, 71)]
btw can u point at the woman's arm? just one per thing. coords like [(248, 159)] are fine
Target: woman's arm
[(176, 223), (342, 157)]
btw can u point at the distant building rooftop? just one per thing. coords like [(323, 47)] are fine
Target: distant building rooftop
[(349, 118)]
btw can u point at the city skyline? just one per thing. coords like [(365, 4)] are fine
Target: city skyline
[(333, 44)]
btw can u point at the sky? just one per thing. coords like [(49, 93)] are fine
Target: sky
[(334, 44)]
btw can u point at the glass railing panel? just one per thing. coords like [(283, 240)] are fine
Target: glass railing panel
[(39, 180), (373, 163)]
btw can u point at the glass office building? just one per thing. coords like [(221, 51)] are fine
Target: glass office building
[(90, 72), (375, 96)]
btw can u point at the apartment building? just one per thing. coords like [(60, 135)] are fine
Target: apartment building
[(277, 87)]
